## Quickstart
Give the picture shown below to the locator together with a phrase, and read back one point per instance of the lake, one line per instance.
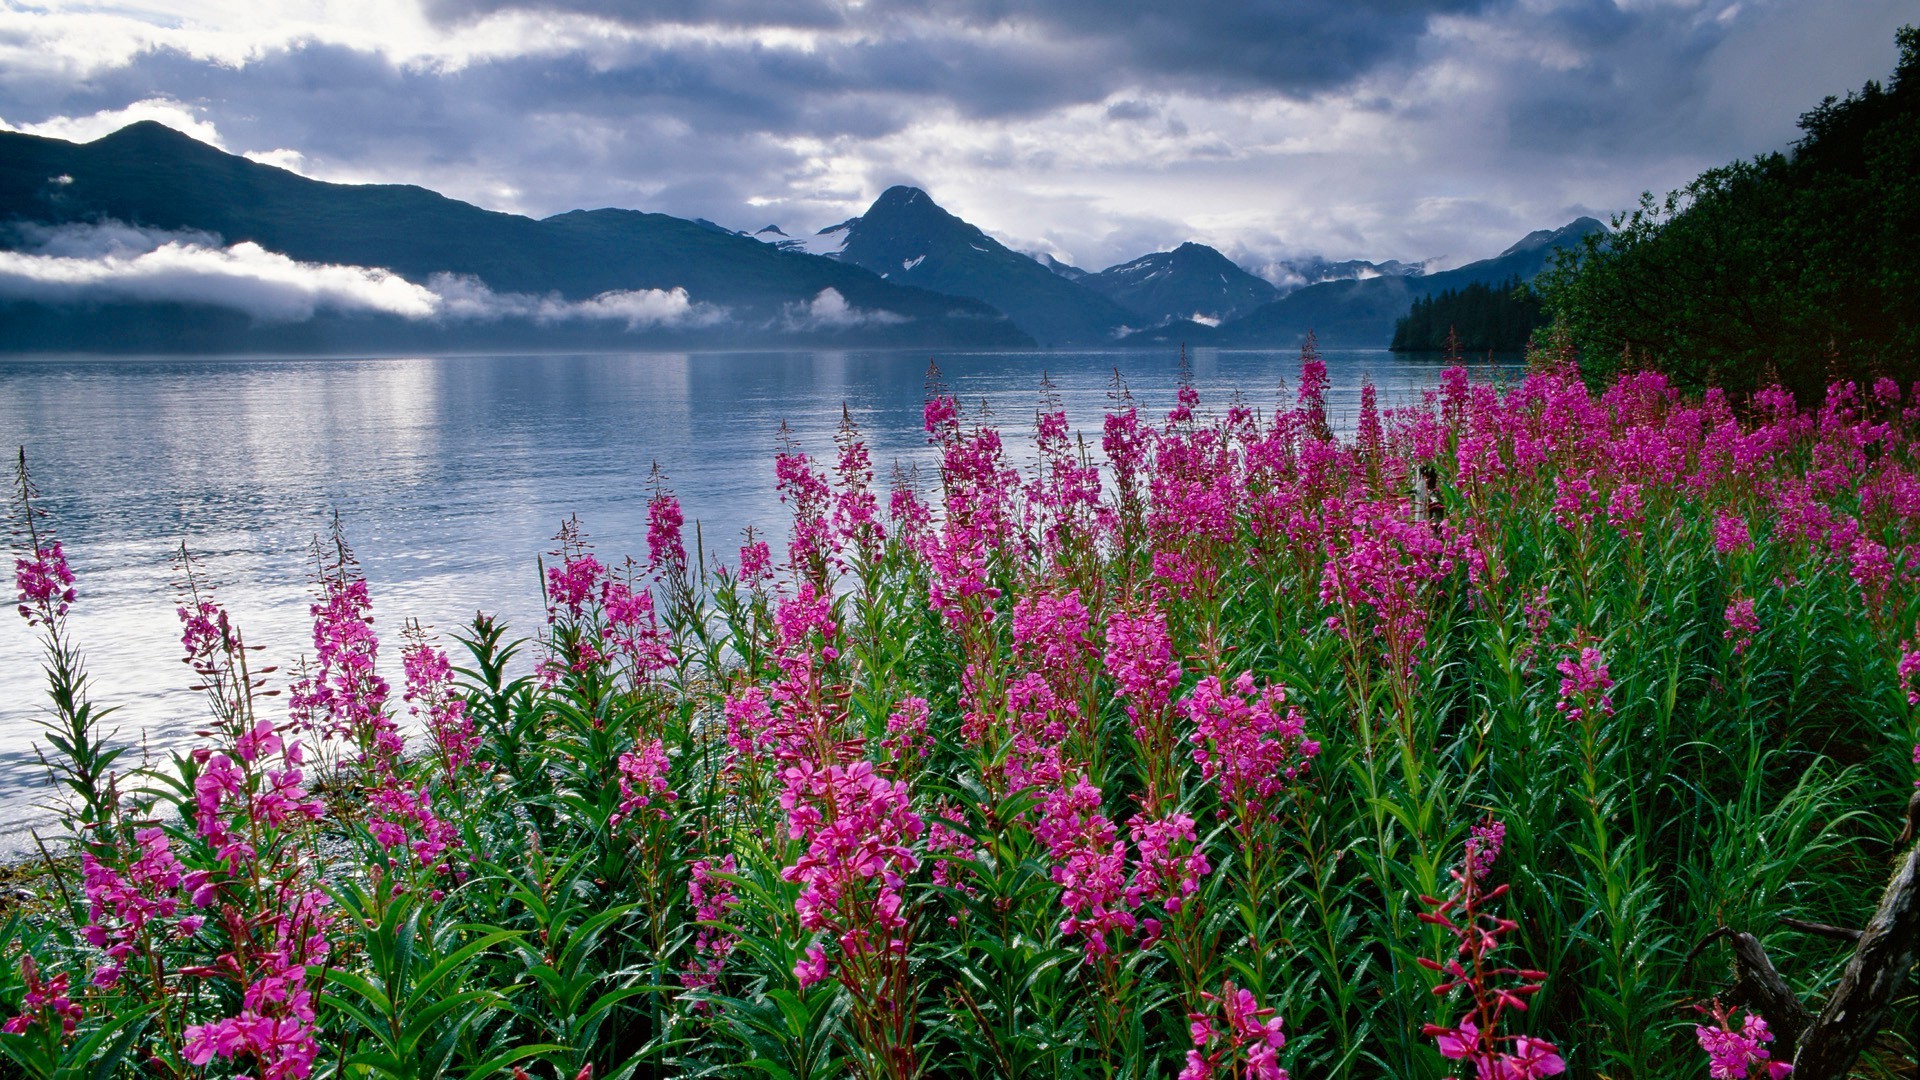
(451, 474)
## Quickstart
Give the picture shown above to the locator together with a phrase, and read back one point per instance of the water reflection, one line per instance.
(452, 473)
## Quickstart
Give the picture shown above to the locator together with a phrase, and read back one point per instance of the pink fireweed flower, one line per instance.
(1170, 863)
(1738, 1054)
(574, 584)
(1370, 439)
(809, 498)
(1492, 988)
(635, 633)
(944, 844)
(756, 562)
(1625, 510)
(858, 831)
(1139, 659)
(856, 512)
(275, 1024)
(643, 783)
(749, 723)
(430, 690)
(1242, 1041)
(123, 906)
(812, 967)
(912, 521)
(666, 552)
(44, 584)
(809, 713)
(399, 814)
(1248, 741)
(47, 1002)
(713, 900)
(1742, 624)
(906, 744)
(1583, 689)
(1089, 864)
(344, 696)
(1730, 533)
(1484, 842)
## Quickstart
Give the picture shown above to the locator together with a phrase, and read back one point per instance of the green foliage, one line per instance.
(567, 928)
(1476, 318)
(1799, 266)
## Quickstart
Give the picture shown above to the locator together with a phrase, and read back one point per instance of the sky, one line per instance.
(1092, 130)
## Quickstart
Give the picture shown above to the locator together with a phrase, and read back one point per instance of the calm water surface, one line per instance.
(451, 474)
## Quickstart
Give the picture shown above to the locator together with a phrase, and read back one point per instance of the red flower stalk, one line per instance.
(1493, 989)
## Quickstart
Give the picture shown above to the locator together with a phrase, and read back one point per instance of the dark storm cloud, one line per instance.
(1293, 46)
(1104, 128)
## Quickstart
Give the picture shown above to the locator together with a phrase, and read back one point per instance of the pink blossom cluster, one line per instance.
(1063, 500)
(1738, 1053)
(1139, 660)
(809, 499)
(1249, 741)
(429, 688)
(634, 631)
(123, 905)
(1484, 842)
(1742, 623)
(1089, 864)
(906, 743)
(808, 711)
(858, 830)
(574, 585)
(1243, 1041)
(49, 1001)
(44, 583)
(713, 900)
(401, 814)
(1584, 685)
(1170, 863)
(666, 551)
(643, 782)
(1730, 533)
(274, 965)
(856, 520)
(1909, 666)
(345, 696)
(260, 782)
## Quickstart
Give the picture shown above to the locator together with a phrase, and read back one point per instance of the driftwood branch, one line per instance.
(1762, 990)
(1821, 929)
(1888, 948)
(1825, 1047)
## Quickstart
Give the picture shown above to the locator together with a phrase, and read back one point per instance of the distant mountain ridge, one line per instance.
(151, 176)
(1193, 281)
(1362, 312)
(905, 272)
(908, 238)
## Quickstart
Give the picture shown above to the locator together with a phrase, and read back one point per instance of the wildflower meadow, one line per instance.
(1535, 729)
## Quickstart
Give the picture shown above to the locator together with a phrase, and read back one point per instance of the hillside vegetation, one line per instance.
(1796, 265)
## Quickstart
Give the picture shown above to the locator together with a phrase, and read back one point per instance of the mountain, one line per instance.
(1065, 270)
(1193, 281)
(906, 237)
(154, 178)
(1362, 312)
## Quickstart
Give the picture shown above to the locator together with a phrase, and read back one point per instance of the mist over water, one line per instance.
(451, 475)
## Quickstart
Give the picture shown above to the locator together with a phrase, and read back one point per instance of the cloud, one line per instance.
(463, 297)
(1095, 129)
(114, 262)
(830, 311)
(178, 116)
